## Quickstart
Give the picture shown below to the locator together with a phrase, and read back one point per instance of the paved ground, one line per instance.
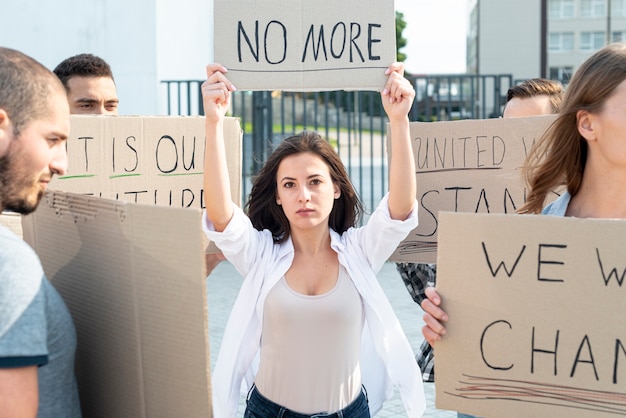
(224, 283)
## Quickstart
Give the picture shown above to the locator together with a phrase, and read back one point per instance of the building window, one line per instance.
(618, 36)
(561, 42)
(591, 41)
(618, 8)
(563, 74)
(593, 8)
(560, 9)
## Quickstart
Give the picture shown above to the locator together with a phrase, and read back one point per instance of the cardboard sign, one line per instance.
(467, 166)
(305, 44)
(133, 279)
(155, 160)
(535, 306)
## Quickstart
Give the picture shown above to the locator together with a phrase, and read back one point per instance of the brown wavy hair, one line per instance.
(559, 157)
(536, 87)
(262, 208)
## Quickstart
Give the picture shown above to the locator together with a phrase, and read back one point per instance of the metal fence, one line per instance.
(354, 122)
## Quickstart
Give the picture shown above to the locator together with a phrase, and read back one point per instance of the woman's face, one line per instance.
(608, 138)
(305, 190)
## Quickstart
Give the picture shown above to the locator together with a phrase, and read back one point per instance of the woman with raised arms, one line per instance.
(311, 332)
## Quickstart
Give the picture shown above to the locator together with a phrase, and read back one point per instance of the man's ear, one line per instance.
(4, 119)
(585, 124)
(6, 131)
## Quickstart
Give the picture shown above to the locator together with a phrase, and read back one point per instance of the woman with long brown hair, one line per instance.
(311, 332)
(584, 150)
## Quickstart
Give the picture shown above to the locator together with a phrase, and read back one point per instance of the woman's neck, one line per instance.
(311, 241)
(602, 194)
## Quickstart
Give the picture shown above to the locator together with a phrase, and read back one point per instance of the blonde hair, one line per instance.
(559, 157)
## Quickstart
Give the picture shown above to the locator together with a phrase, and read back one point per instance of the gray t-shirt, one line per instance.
(36, 328)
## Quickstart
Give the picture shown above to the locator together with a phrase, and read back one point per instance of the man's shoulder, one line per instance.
(13, 248)
(21, 273)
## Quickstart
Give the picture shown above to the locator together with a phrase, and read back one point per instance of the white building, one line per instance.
(144, 41)
(577, 28)
(507, 36)
(504, 37)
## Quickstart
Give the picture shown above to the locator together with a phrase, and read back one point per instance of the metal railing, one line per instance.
(354, 122)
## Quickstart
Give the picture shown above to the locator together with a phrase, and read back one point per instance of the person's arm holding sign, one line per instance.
(397, 99)
(216, 99)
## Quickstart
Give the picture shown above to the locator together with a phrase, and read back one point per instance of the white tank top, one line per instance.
(311, 346)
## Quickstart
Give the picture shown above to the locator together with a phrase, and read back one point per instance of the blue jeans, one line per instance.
(462, 415)
(258, 406)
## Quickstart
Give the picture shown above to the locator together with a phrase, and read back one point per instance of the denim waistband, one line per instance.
(279, 411)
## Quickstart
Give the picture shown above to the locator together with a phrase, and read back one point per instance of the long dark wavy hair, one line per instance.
(262, 208)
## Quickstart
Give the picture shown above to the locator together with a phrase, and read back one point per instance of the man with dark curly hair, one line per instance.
(89, 84)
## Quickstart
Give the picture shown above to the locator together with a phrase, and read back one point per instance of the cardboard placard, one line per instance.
(133, 279)
(467, 166)
(145, 159)
(535, 324)
(305, 44)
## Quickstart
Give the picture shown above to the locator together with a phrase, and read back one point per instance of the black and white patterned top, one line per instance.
(417, 277)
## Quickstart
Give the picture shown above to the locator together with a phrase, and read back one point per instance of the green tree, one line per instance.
(400, 40)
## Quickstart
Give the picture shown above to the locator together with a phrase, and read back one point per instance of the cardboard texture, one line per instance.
(535, 305)
(467, 166)
(144, 159)
(305, 45)
(133, 278)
